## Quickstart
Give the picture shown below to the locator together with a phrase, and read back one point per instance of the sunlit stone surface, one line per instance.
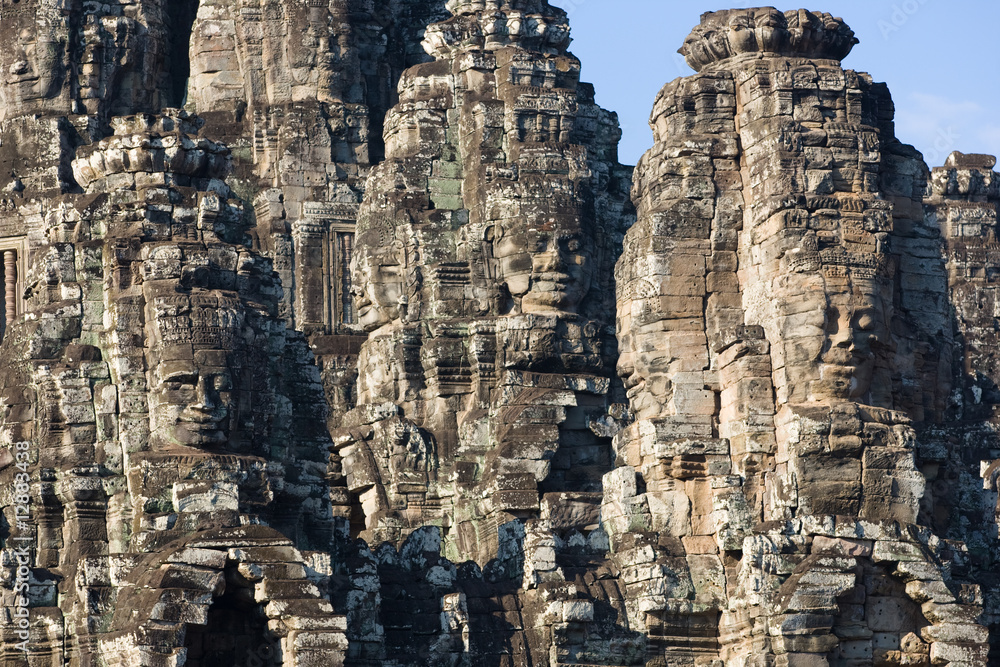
(368, 357)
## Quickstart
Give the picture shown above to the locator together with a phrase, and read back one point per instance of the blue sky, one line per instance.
(939, 58)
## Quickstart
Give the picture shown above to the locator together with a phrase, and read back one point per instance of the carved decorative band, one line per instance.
(796, 33)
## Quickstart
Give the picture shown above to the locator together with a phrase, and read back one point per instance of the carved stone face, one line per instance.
(20, 68)
(856, 325)
(831, 342)
(192, 405)
(644, 366)
(195, 361)
(379, 274)
(377, 384)
(645, 329)
(548, 268)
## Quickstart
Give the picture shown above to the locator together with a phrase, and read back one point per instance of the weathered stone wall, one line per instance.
(172, 425)
(368, 358)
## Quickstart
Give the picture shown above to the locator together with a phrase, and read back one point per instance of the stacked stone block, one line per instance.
(787, 470)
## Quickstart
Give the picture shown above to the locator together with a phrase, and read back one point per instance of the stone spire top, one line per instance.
(488, 25)
(765, 30)
(459, 7)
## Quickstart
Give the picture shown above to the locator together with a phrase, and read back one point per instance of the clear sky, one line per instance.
(939, 58)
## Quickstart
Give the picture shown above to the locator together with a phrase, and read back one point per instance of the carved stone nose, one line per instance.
(551, 260)
(844, 338)
(625, 366)
(204, 396)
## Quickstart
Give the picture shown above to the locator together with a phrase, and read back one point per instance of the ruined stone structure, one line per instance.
(785, 340)
(334, 333)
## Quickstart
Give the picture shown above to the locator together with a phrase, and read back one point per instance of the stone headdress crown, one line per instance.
(796, 33)
(206, 321)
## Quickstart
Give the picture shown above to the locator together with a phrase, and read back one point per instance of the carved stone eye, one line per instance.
(178, 380)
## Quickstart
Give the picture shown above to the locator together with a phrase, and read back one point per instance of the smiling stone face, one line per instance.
(660, 324)
(856, 327)
(833, 324)
(194, 369)
(192, 405)
(644, 366)
(548, 268)
(380, 290)
(381, 272)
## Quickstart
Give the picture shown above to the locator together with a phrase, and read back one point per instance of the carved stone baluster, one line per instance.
(10, 283)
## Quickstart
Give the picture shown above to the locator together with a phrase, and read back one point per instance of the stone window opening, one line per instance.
(323, 249)
(12, 266)
(343, 250)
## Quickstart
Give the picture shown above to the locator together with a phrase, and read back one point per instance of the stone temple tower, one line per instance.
(746, 417)
(784, 343)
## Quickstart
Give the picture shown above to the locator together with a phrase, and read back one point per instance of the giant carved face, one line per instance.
(832, 328)
(644, 367)
(645, 328)
(856, 327)
(547, 267)
(192, 403)
(194, 370)
(379, 272)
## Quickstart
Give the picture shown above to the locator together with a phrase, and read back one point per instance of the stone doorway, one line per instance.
(235, 635)
(183, 14)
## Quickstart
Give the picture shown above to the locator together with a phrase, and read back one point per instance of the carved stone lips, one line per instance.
(560, 280)
(206, 422)
(198, 418)
(203, 432)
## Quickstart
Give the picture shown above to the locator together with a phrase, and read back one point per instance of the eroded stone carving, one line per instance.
(153, 327)
(788, 466)
(484, 251)
(736, 32)
(475, 267)
(771, 294)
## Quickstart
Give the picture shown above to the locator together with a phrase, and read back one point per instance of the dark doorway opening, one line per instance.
(235, 636)
(182, 14)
